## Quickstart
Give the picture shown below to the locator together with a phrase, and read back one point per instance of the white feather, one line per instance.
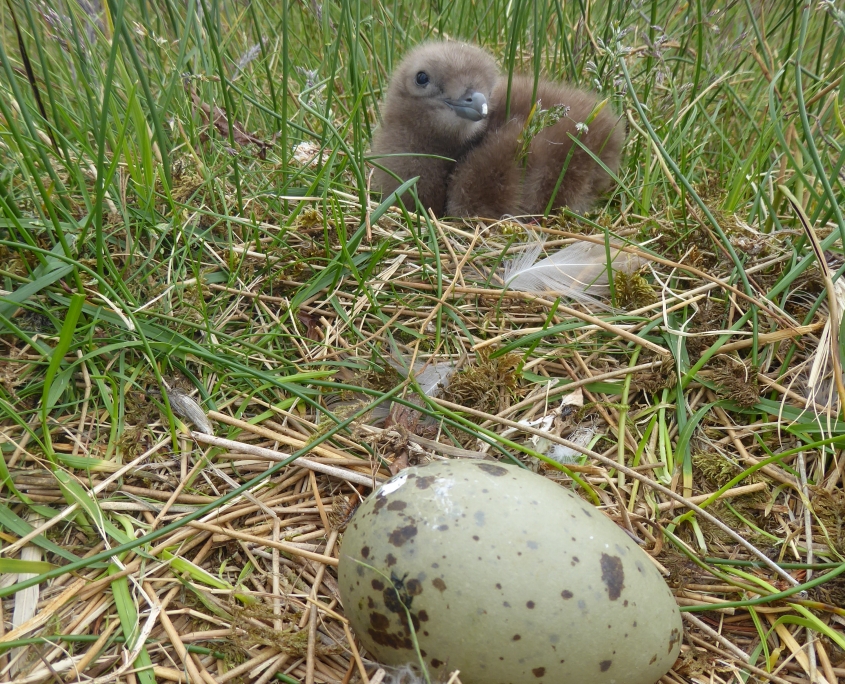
(578, 271)
(409, 674)
(821, 383)
(26, 600)
(404, 674)
(430, 376)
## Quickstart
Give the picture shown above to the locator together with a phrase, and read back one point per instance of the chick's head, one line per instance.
(445, 87)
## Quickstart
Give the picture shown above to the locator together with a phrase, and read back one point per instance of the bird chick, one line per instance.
(450, 100)
(436, 104)
(492, 180)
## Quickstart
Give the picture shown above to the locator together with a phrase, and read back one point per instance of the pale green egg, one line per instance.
(507, 577)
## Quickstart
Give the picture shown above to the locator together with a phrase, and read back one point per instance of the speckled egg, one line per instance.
(507, 577)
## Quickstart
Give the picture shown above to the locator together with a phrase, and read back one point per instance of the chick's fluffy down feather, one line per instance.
(486, 177)
(584, 180)
(417, 121)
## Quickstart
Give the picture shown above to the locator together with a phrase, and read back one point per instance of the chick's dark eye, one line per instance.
(422, 78)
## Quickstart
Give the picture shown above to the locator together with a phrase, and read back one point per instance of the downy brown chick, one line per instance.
(490, 177)
(492, 180)
(436, 104)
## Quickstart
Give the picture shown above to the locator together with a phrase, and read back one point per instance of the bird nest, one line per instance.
(206, 547)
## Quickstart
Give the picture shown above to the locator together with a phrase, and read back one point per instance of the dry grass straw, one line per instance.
(253, 585)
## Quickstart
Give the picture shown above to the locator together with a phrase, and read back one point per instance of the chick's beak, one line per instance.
(472, 105)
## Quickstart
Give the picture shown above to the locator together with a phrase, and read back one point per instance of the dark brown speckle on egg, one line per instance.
(379, 621)
(402, 534)
(494, 470)
(674, 638)
(613, 575)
